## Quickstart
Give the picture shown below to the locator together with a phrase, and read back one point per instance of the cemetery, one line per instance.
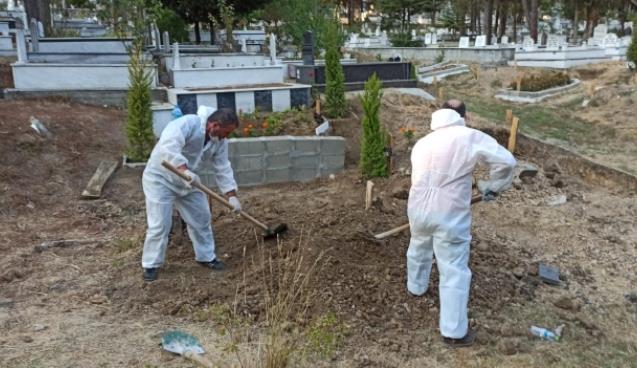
(330, 112)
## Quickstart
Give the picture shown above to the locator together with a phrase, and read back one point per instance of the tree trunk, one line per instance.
(575, 21)
(531, 12)
(211, 25)
(496, 23)
(488, 20)
(350, 13)
(473, 18)
(40, 10)
(502, 27)
(198, 33)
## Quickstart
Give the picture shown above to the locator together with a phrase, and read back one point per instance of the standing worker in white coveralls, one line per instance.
(439, 211)
(185, 143)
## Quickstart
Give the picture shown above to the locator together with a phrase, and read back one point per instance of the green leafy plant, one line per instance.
(139, 121)
(373, 162)
(408, 133)
(325, 335)
(336, 106)
(404, 39)
(272, 125)
(169, 21)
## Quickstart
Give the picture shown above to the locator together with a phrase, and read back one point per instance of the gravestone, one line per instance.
(33, 29)
(176, 60)
(21, 46)
(464, 42)
(413, 34)
(504, 40)
(377, 33)
(428, 39)
(481, 41)
(273, 49)
(384, 40)
(434, 39)
(528, 44)
(307, 51)
(244, 46)
(166, 41)
(611, 40)
(553, 42)
(599, 33)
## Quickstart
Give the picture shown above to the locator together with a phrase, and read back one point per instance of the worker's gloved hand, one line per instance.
(236, 205)
(484, 187)
(194, 178)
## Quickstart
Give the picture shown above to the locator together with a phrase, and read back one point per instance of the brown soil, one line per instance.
(86, 305)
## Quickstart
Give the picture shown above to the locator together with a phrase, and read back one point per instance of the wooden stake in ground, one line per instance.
(369, 194)
(441, 94)
(509, 116)
(591, 90)
(94, 187)
(519, 82)
(318, 106)
(514, 134)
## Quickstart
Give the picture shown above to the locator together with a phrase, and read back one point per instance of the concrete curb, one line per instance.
(532, 97)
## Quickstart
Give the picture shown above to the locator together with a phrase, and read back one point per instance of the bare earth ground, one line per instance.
(86, 305)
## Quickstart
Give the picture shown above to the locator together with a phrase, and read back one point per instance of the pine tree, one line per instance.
(139, 122)
(334, 77)
(372, 162)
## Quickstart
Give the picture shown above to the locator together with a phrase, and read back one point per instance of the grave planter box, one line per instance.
(440, 71)
(395, 74)
(532, 97)
(54, 77)
(84, 45)
(220, 77)
(560, 58)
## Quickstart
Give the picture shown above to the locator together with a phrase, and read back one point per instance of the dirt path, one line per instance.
(86, 305)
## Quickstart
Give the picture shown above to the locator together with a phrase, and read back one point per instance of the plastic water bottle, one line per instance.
(544, 333)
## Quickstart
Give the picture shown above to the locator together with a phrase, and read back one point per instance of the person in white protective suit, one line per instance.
(185, 143)
(440, 214)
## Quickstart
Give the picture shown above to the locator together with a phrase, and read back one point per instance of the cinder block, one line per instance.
(332, 162)
(278, 161)
(304, 174)
(333, 145)
(279, 144)
(245, 146)
(247, 162)
(307, 144)
(248, 178)
(277, 175)
(306, 162)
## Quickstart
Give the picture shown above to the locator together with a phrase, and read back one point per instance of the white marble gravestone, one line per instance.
(504, 40)
(464, 42)
(481, 41)
(528, 44)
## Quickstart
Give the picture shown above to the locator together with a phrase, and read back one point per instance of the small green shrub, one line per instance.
(139, 121)
(373, 162)
(336, 107)
(404, 39)
(542, 81)
(325, 335)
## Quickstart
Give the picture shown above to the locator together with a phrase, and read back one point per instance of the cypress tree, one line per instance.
(139, 122)
(334, 77)
(372, 161)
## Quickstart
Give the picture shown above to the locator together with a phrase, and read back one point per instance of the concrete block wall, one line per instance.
(280, 159)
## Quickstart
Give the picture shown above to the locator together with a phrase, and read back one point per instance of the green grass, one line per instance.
(542, 121)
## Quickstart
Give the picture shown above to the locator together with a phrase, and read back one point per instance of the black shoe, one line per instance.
(150, 274)
(415, 295)
(215, 265)
(467, 340)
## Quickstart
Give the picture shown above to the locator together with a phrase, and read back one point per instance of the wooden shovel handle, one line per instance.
(213, 195)
(474, 199)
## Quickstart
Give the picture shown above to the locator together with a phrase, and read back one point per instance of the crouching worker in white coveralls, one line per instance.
(185, 143)
(440, 213)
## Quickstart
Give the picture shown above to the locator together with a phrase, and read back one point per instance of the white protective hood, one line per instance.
(446, 117)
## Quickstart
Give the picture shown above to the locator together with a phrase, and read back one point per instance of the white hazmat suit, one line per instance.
(182, 142)
(439, 210)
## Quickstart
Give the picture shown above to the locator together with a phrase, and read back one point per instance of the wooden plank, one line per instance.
(519, 82)
(514, 134)
(441, 94)
(509, 116)
(94, 187)
(369, 194)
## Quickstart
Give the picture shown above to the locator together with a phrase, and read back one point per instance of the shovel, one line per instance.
(475, 199)
(268, 233)
(186, 345)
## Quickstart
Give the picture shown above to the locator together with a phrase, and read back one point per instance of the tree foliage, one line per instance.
(334, 77)
(373, 162)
